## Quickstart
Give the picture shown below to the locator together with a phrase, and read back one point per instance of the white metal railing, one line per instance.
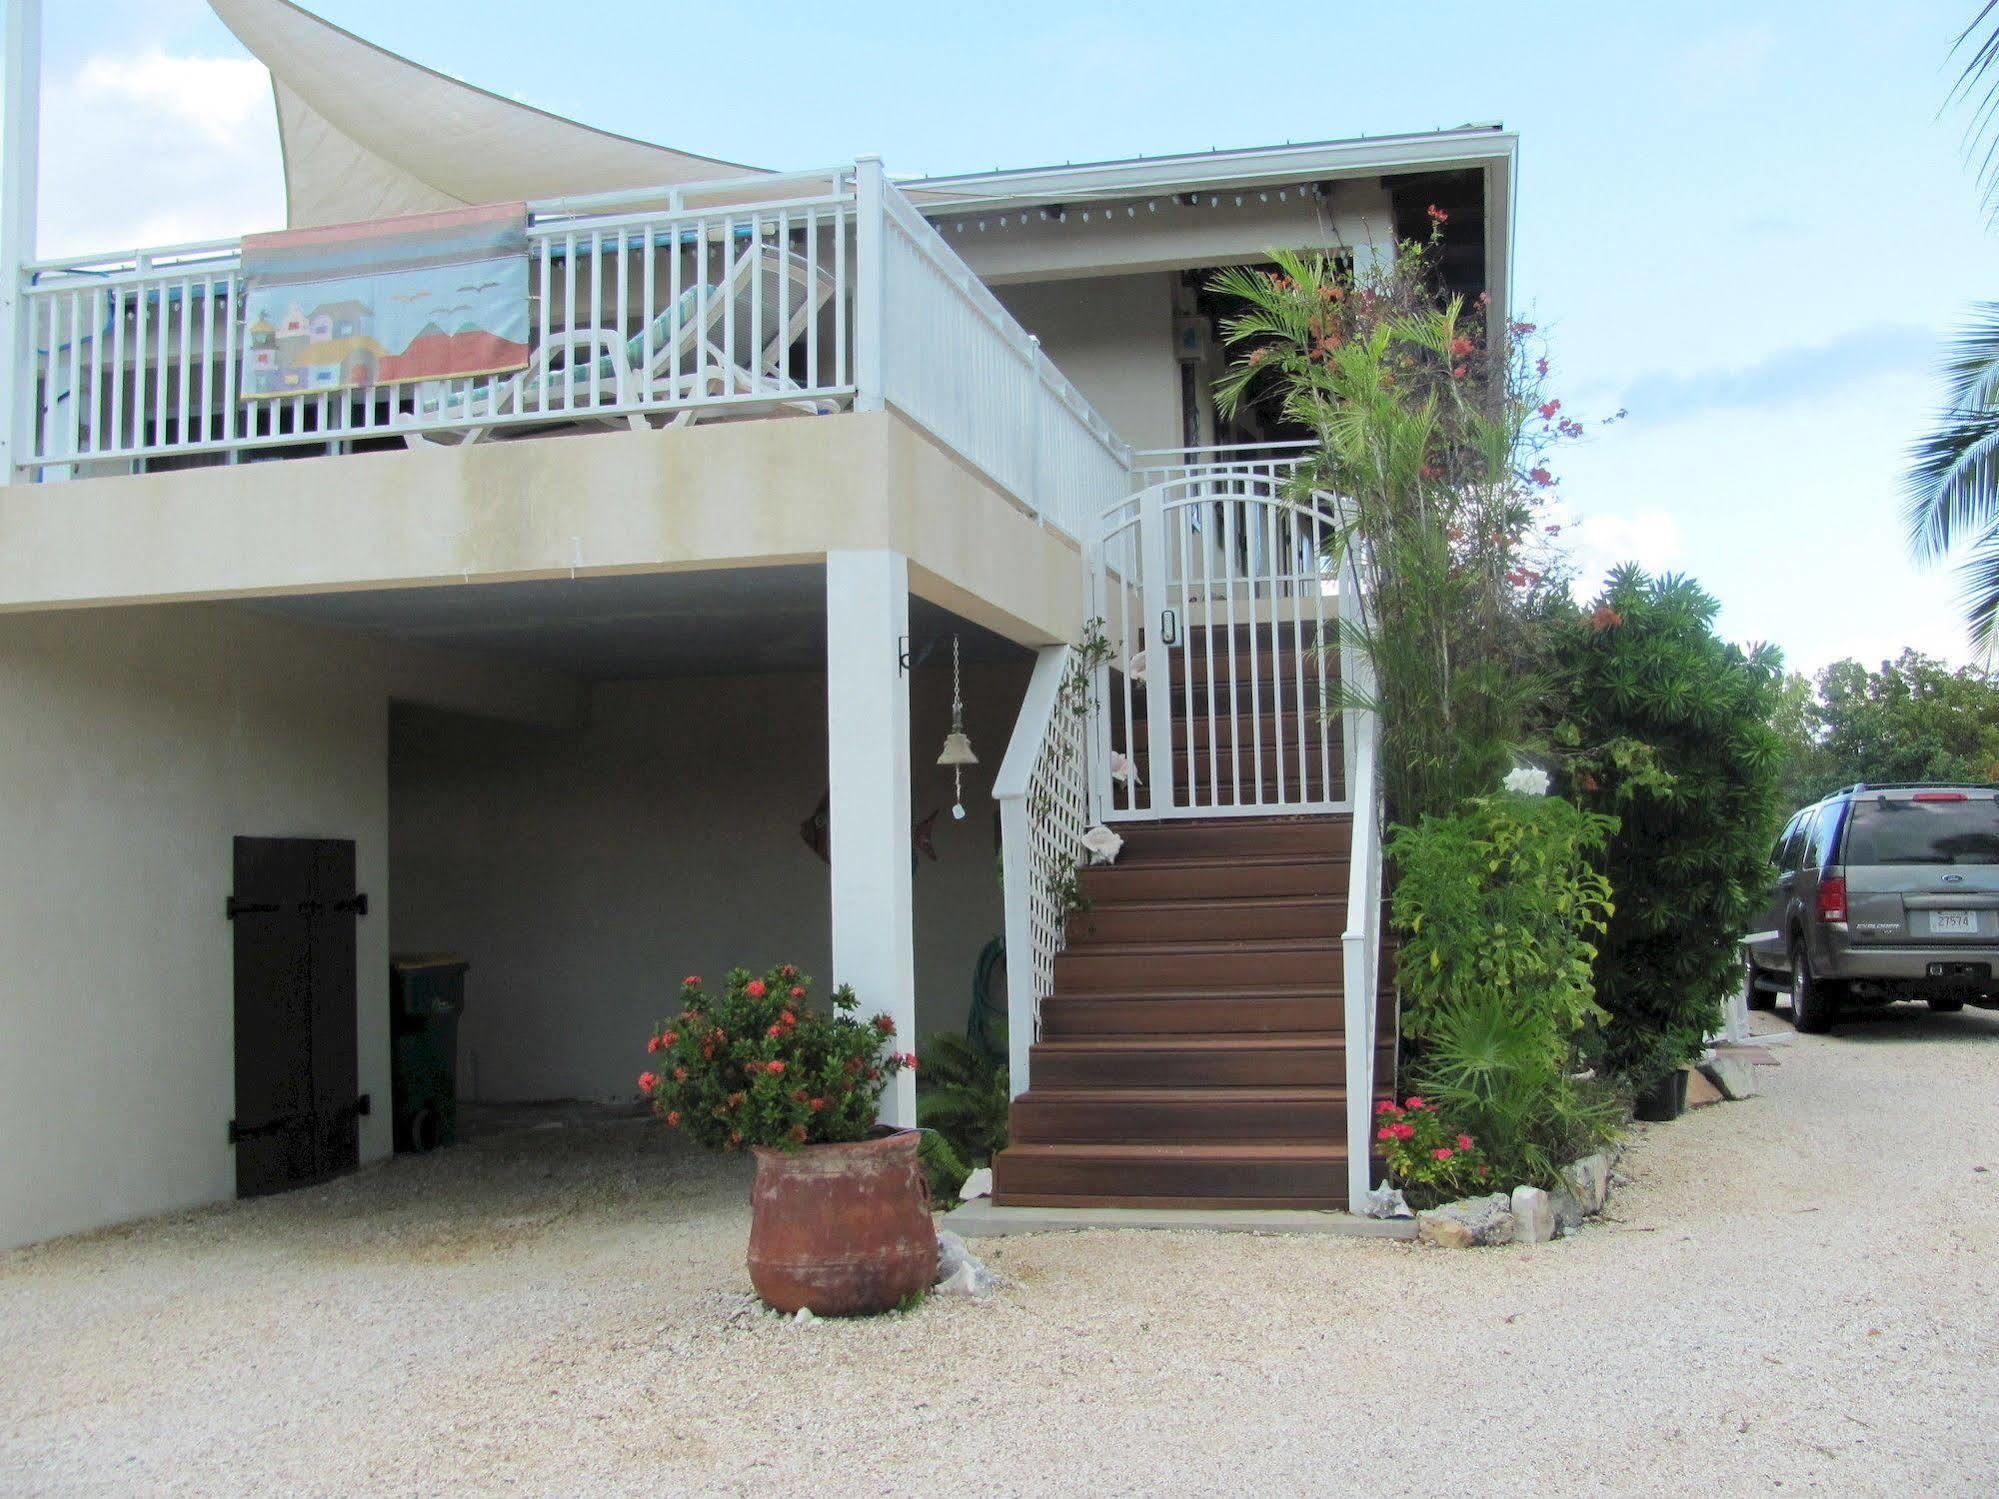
(1360, 943)
(1043, 791)
(1212, 583)
(764, 295)
(957, 362)
(1267, 460)
(632, 311)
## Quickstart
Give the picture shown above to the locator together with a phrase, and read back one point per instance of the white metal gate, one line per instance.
(1222, 614)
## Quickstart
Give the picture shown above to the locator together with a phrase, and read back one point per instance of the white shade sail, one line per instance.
(367, 134)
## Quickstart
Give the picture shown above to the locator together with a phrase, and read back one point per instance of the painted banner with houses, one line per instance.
(431, 296)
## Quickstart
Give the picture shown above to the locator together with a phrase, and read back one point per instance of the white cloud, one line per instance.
(146, 148)
(1604, 540)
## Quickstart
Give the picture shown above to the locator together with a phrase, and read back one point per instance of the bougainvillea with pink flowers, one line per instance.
(762, 1064)
(1430, 1160)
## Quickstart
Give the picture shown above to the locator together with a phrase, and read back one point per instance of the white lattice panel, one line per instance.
(1058, 813)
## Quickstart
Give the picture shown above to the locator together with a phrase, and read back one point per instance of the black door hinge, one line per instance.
(237, 906)
(362, 1105)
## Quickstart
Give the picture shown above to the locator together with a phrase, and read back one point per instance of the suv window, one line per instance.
(1819, 834)
(1783, 840)
(1926, 832)
(1794, 839)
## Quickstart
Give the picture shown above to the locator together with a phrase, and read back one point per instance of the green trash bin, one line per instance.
(426, 997)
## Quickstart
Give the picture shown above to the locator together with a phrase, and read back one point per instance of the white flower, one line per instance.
(1103, 844)
(1529, 780)
(1135, 668)
(1124, 769)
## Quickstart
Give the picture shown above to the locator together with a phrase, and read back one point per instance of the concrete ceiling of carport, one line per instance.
(724, 622)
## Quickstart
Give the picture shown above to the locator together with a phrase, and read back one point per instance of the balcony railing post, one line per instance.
(870, 272)
(20, 156)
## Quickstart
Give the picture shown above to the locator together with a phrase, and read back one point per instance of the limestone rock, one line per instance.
(978, 1184)
(1589, 1179)
(1701, 1090)
(1533, 1216)
(1568, 1210)
(1461, 1225)
(1735, 1076)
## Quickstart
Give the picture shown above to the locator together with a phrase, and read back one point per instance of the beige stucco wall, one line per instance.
(1113, 336)
(134, 745)
(584, 872)
(714, 495)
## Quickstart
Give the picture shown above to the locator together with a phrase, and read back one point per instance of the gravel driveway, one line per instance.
(1793, 1292)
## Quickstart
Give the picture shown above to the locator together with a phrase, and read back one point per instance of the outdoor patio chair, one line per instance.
(582, 369)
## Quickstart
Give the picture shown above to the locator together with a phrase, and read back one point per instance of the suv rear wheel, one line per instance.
(1813, 1009)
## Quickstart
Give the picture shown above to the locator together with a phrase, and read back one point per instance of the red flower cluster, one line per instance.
(1428, 1161)
(1437, 215)
(760, 1065)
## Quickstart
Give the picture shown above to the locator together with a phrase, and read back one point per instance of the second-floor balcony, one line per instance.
(767, 298)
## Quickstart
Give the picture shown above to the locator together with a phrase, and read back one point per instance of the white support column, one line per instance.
(867, 740)
(20, 168)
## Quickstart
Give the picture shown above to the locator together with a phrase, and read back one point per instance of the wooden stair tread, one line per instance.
(1221, 899)
(1204, 1041)
(1192, 1150)
(1197, 1096)
(1248, 993)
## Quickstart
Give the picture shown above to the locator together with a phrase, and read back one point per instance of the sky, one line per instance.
(1747, 226)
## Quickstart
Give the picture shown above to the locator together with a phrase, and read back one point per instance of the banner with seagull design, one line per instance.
(431, 296)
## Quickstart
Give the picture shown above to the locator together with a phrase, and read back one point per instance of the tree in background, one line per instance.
(1667, 727)
(1915, 719)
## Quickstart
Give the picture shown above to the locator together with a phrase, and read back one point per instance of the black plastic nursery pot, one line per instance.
(1663, 1100)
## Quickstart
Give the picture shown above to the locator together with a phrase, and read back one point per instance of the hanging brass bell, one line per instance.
(957, 750)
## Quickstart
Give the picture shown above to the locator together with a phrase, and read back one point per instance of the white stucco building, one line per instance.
(565, 661)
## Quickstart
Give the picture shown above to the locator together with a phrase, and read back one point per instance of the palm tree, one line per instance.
(1952, 488)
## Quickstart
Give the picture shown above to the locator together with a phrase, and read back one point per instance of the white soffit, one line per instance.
(367, 134)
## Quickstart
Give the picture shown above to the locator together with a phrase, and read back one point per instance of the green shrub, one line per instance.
(1497, 909)
(1500, 901)
(963, 1104)
(1669, 728)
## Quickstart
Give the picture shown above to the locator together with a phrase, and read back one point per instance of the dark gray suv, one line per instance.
(1881, 893)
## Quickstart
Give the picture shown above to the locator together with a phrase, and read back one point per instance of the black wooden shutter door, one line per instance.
(294, 909)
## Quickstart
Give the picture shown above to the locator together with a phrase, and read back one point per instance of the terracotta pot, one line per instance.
(843, 1229)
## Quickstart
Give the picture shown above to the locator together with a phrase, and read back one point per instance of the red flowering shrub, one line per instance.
(758, 1065)
(1428, 1160)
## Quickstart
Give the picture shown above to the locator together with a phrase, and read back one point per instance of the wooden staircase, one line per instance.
(1192, 1052)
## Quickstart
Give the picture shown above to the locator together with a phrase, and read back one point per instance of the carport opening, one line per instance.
(583, 868)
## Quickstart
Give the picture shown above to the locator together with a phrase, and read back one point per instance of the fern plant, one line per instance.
(963, 1101)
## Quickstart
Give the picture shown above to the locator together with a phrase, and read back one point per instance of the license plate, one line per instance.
(1953, 923)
